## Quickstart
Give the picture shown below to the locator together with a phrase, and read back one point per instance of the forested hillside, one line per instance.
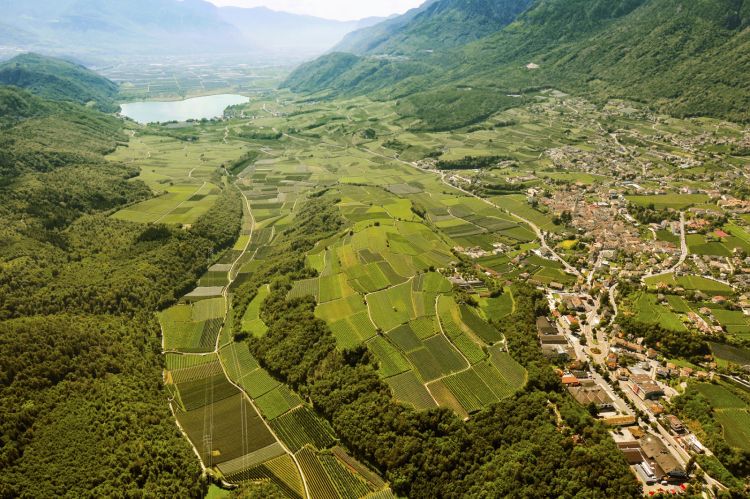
(436, 25)
(80, 365)
(59, 80)
(683, 57)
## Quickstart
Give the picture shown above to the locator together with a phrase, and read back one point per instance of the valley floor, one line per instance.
(426, 259)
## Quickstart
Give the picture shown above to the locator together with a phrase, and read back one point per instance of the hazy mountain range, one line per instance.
(97, 29)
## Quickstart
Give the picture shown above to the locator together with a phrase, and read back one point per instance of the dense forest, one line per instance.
(60, 80)
(515, 448)
(80, 367)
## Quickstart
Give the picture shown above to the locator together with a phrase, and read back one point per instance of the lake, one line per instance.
(208, 107)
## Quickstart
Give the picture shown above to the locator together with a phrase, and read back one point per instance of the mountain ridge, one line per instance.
(283, 30)
(437, 24)
(102, 29)
(636, 49)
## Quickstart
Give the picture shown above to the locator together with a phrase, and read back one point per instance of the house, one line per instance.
(612, 361)
(559, 352)
(675, 424)
(570, 380)
(657, 408)
(692, 443)
(625, 420)
(592, 394)
(628, 345)
(544, 327)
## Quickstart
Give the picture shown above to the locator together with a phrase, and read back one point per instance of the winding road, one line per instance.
(684, 252)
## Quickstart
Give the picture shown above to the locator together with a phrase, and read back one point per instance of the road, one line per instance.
(684, 252)
(232, 276)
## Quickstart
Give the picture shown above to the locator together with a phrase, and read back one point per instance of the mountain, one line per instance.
(107, 28)
(282, 31)
(369, 38)
(59, 80)
(102, 29)
(683, 57)
(437, 24)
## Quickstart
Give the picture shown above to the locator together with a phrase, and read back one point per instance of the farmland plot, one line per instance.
(407, 388)
(225, 441)
(302, 427)
(320, 485)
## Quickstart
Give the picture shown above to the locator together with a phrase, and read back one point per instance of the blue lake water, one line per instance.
(212, 106)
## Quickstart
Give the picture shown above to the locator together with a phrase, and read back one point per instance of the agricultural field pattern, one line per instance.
(381, 282)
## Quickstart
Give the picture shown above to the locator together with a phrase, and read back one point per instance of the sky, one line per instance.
(343, 10)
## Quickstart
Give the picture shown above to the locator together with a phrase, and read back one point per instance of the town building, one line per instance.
(662, 462)
(643, 386)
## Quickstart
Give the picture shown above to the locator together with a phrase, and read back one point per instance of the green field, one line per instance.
(728, 353)
(194, 327)
(408, 389)
(720, 397)
(673, 201)
(251, 321)
(698, 283)
(648, 311)
(736, 425)
(180, 171)
(302, 427)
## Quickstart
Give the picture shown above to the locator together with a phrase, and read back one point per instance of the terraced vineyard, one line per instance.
(244, 424)
(380, 283)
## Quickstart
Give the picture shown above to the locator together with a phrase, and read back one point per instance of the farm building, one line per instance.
(559, 352)
(675, 424)
(628, 345)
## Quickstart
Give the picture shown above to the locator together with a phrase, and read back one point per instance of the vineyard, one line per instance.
(319, 483)
(281, 471)
(736, 425)
(277, 402)
(236, 429)
(390, 360)
(407, 388)
(302, 427)
(251, 321)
